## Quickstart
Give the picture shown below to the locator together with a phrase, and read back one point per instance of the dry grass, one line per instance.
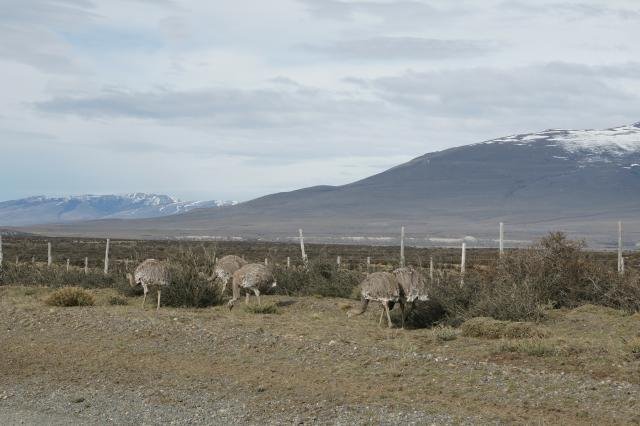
(265, 308)
(490, 328)
(313, 352)
(71, 296)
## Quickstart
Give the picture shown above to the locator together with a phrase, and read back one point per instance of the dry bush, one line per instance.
(70, 296)
(56, 276)
(188, 288)
(321, 277)
(523, 284)
(633, 346)
(490, 328)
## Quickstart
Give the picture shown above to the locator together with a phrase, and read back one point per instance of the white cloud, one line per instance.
(218, 99)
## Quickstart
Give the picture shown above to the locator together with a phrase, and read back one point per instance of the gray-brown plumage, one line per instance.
(225, 268)
(254, 277)
(412, 284)
(151, 273)
(384, 288)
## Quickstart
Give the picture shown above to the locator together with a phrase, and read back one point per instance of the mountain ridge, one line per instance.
(580, 181)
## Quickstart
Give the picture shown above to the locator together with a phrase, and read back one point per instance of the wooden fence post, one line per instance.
(17, 260)
(368, 264)
(304, 255)
(49, 259)
(463, 262)
(33, 260)
(0, 250)
(431, 268)
(620, 258)
(402, 247)
(67, 265)
(501, 239)
(106, 258)
(288, 262)
(86, 265)
(266, 261)
(338, 261)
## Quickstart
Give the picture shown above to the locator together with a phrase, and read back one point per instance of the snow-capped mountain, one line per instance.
(579, 181)
(41, 209)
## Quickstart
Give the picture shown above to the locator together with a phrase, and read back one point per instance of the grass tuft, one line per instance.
(533, 347)
(70, 296)
(444, 334)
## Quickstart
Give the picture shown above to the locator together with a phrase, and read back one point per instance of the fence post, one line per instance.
(368, 264)
(86, 265)
(33, 260)
(402, 247)
(304, 255)
(431, 268)
(266, 261)
(338, 261)
(49, 260)
(67, 265)
(463, 262)
(0, 250)
(17, 260)
(501, 239)
(288, 262)
(106, 258)
(620, 259)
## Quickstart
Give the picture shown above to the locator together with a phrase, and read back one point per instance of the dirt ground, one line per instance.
(307, 364)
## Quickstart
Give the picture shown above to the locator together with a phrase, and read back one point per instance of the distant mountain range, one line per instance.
(579, 181)
(42, 210)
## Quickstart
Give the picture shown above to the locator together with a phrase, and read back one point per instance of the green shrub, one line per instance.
(70, 296)
(490, 328)
(321, 277)
(268, 308)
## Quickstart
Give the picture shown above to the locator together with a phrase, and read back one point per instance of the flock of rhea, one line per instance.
(404, 285)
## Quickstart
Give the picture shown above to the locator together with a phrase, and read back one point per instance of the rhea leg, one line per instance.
(257, 293)
(144, 298)
(381, 314)
(386, 309)
(402, 312)
(246, 300)
(158, 307)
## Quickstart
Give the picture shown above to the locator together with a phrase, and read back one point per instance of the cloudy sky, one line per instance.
(234, 99)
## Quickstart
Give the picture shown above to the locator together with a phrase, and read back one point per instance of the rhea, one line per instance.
(151, 273)
(225, 268)
(254, 277)
(384, 288)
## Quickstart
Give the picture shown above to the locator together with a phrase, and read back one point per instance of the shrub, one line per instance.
(118, 300)
(187, 287)
(444, 334)
(320, 277)
(490, 328)
(633, 346)
(268, 308)
(70, 296)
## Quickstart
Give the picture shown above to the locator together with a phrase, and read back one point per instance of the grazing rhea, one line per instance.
(412, 284)
(383, 287)
(254, 277)
(150, 273)
(225, 268)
